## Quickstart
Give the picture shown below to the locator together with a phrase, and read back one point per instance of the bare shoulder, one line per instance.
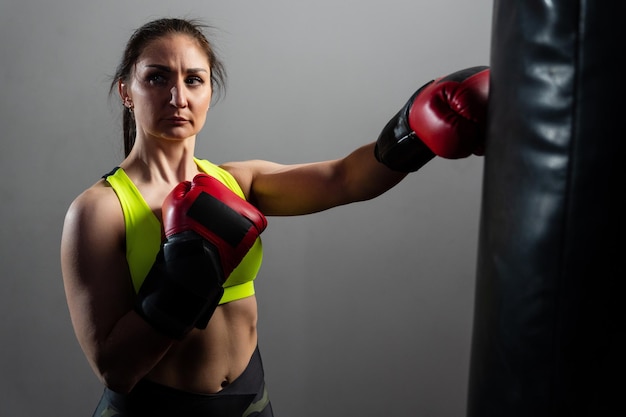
(94, 225)
(96, 204)
(245, 172)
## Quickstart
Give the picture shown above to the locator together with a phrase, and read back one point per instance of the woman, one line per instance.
(113, 233)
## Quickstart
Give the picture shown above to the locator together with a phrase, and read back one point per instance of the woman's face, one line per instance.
(170, 89)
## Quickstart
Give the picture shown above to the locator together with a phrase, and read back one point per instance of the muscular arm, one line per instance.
(445, 117)
(120, 346)
(307, 188)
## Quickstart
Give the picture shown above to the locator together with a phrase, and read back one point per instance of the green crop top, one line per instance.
(144, 232)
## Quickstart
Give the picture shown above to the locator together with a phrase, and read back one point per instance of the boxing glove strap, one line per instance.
(229, 225)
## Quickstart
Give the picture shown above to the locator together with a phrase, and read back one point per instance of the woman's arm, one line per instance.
(307, 188)
(120, 346)
(445, 117)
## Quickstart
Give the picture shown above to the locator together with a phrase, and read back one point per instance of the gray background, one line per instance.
(364, 309)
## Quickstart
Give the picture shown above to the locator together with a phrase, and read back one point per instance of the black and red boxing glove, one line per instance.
(446, 117)
(210, 209)
(208, 231)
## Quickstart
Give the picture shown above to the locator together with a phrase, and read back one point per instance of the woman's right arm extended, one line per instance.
(120, 346)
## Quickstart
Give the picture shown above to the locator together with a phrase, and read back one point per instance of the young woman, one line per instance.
(113, 239)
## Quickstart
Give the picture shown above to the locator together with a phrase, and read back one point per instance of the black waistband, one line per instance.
(152, 399)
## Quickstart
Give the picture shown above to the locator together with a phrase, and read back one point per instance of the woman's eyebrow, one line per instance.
(165, 68)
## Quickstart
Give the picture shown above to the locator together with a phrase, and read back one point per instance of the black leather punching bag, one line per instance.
(550, 309)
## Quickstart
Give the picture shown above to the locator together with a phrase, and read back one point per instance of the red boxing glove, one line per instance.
(210, 209)
(445, 117)
(208, 229)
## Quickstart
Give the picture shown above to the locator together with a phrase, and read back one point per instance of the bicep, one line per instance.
(95, 272)
(285, 190)
(307, 188)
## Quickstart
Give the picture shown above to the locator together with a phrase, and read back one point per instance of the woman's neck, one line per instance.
(167, 162)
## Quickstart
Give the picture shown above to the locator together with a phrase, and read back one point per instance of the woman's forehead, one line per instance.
(177, 48)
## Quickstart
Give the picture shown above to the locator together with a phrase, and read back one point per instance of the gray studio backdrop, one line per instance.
(365, 310)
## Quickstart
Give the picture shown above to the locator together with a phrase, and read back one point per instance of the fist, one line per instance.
(445, 117)
(210, 209)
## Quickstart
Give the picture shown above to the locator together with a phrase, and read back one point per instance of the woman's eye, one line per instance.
(195, 81)
(157, 79)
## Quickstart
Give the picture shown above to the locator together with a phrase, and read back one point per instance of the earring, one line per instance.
(129, 105)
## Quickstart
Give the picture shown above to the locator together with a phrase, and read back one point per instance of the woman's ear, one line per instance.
(122, 89)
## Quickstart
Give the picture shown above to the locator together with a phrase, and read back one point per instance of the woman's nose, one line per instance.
(178, 96)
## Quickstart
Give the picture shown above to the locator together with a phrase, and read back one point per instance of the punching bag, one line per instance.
(550, 309)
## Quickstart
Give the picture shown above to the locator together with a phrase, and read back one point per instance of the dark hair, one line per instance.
(140, 39)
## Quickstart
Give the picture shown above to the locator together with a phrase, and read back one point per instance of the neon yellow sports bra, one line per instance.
(143, 233)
